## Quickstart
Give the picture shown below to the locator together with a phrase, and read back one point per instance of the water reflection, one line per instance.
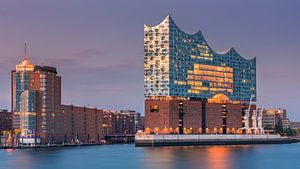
(10, 150)
(31, 158)
(217, 157)
(209, 157)
(128, 156)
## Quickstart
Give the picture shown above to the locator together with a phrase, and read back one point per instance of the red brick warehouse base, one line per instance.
(162, 116)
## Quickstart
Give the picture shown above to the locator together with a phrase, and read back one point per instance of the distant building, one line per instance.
(5, 120)
(269, 119)
(108, 123)
(117, 123)
(282, 119)
(295, 125)
(36, 101)
(136, 115)
(273, 117)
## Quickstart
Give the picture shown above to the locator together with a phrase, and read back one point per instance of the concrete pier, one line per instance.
(219, 139)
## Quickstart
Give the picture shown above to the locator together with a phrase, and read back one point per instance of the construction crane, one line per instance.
(247, 116)
(260, 119)
(254, 121)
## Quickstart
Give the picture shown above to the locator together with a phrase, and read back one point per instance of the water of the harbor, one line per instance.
(122, 156)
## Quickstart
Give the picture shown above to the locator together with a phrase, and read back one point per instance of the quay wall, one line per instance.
(219, 139)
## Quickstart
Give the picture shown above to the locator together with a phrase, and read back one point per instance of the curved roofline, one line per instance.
(158, 23)
(231, 50)
(222, 53)
(199, 32)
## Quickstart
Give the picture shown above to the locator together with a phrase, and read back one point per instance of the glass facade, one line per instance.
(28, 113)
(184, 65)
(21, 85)
(20, 82)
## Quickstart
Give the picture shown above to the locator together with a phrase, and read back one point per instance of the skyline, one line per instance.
(63, 43)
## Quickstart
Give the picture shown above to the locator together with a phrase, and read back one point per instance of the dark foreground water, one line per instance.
(127, 156)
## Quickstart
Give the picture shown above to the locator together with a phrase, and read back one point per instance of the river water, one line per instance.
(122, 156)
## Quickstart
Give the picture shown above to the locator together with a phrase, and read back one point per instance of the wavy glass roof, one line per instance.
(184, 65)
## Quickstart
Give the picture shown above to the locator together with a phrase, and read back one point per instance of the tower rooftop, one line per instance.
(25, 65)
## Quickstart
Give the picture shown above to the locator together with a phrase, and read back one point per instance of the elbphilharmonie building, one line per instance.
(184, 65)
(190, 88)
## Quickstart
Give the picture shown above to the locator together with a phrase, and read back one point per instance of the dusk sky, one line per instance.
(97, 46)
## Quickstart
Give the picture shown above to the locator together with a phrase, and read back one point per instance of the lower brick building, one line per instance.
(116, 123)
(5, 121)
(199, 116)
(136, 116)
(92, 125)
(82, 123)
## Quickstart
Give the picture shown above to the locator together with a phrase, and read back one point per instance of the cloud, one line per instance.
(87, 53)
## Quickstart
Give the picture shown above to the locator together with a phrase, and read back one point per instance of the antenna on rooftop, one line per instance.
(25, 51)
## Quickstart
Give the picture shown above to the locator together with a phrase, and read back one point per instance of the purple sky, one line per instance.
(98, 46)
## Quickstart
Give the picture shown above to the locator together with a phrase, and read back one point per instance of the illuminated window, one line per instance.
(154, 108)
(212, 78)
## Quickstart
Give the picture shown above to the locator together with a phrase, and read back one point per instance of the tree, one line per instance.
(278, 129)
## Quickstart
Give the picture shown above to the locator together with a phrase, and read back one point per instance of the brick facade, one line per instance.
(5, 121)
(92, 125)
(165, 119)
